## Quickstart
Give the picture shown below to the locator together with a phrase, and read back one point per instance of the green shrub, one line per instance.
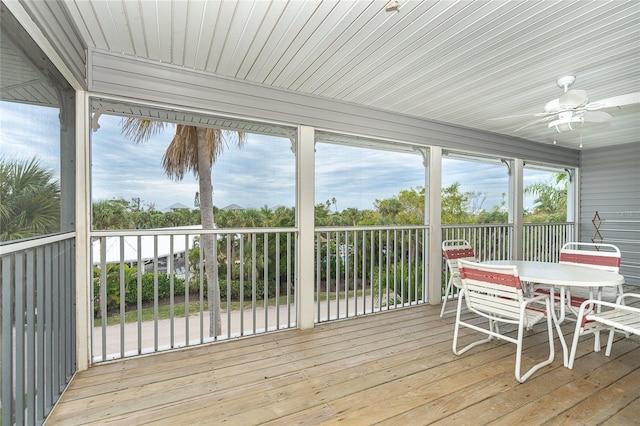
(112, 285)
(147, 293)
(247, 290)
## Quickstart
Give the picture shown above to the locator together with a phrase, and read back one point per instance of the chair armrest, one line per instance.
(618, 317)
(540, 299)
(625, 295)
(608, 305)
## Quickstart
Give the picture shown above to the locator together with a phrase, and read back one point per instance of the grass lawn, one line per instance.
(164, 309)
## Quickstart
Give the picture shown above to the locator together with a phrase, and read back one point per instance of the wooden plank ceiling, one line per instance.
(461, 62)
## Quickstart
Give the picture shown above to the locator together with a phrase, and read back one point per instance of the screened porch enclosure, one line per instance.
(334, 319)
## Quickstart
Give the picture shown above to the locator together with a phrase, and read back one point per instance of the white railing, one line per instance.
(489, 242)
(38, 326)
(365, 270)
(543, 241)
(358, 270)
(150, 291)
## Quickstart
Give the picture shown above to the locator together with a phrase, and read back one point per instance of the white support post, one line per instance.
(306, 224)
(83, 239)
(573, 202)
(433, 193)
(516, 198)
(67, 159)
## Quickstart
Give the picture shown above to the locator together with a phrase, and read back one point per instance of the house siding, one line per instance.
(611, 186)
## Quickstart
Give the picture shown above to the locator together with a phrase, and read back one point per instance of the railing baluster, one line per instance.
(278, 280)
(172, 311)
(346, 272)
(336, 269)
(41, 409)
(289, 277)
(30, 313)
(338, 256)
(156, 306)
(242, 285)
(122, 294)
(139, 291)
(187, 289)
(254, 278)
(230, 261)
(265, 283)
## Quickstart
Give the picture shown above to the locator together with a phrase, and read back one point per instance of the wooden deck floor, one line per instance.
(390, 368)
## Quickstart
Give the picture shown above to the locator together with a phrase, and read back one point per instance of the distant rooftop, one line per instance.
(233, 207)
(174, 207)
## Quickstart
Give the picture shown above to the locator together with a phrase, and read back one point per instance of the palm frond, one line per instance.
(140, 130)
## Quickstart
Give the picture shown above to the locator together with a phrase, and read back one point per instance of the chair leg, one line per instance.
(456, 327)
(574, 346)
(610, 341)
(565, 350)
(538, 366)
(447, 290)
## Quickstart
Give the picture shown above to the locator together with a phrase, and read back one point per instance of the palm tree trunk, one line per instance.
(208, 240)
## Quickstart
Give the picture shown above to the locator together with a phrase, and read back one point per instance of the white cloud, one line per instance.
(261, 173)
(39, 139)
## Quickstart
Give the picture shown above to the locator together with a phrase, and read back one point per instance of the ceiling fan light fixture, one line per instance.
(566, 124)
(394, 6)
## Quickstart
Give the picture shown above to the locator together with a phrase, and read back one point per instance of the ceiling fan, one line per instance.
(572, 108)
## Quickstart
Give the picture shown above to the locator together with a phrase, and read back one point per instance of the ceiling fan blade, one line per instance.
(553, 106)
(534, 122)
(628, 99)
(597, 116)
(535, 114)
(573, 99)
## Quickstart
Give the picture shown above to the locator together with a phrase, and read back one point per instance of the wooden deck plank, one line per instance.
(327, 375)
(630, 415)
(498, 405)
(611, 396)
(393, 367)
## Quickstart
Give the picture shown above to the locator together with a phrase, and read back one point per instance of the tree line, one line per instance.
(30, 206)
(406, 208)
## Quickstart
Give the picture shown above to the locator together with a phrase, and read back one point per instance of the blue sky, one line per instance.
(261, 173)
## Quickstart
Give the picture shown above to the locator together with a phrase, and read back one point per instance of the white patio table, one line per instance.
(561, 276)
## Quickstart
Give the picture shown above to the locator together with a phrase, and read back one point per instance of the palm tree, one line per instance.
(551, 195)
(29, 200)
(110, 214)
(193, 149)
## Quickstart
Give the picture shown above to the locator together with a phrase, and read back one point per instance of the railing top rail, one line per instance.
(477, 225)
(492, 225)
(13, 247)
(188, 231)
(547, 223)
(368, 228)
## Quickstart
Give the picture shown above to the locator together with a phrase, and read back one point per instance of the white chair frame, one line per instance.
(495, 293)
(593, 255)
(452, 250)
(591, 319)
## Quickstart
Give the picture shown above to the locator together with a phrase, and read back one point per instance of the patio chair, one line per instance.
(592, 255)
(495, 293)
(619, 317)
(452, 250)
